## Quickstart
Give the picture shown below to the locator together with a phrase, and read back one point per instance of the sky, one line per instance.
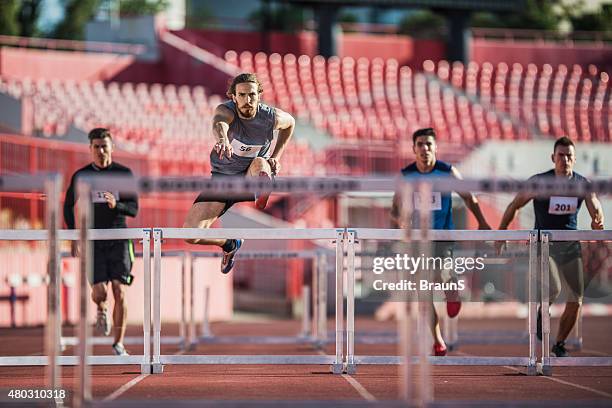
(50, 14)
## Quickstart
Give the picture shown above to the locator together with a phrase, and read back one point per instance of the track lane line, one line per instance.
(361, 390)
(365, 394)
(125, 387)
(557, 380)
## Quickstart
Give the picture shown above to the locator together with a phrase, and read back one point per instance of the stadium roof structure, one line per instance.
(457, 13)
(468, 5)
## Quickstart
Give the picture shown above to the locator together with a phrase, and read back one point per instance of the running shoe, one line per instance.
(261, 199)
(439, 350)
(228, 257)
(559, 349)
(453, 303)
(119, 349)
(103, 324)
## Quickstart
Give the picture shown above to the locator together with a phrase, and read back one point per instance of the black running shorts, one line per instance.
(223, 198)
(112, 260)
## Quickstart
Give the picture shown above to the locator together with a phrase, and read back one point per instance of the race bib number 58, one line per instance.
(562, 205)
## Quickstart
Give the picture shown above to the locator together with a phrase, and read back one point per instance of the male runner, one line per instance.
(112, 260)
(560, 213)
(243, 128)
(426, 165)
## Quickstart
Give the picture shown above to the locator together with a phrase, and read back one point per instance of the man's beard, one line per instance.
(247, 112)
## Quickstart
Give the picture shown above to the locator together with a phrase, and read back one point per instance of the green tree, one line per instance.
(284, 18)
(28, 17)
(423, 24)
(142, 7)
(77, 14)
(535, 15)
(8, 17)
(199, 16)
(600, 20)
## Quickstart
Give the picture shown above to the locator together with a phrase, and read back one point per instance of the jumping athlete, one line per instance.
(243, 128)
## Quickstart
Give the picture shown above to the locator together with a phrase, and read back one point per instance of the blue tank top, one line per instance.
(556, 212)
(442, 215)
(250, 138)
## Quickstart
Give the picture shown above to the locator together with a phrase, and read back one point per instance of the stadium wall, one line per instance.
(65, 65)
(540, 52)
(406, 50)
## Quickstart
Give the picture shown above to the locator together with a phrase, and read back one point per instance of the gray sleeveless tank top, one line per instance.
(250, 138)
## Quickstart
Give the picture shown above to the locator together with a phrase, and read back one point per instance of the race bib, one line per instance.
(98, 196)
(244, 150)
(435, 201)
(562, 205)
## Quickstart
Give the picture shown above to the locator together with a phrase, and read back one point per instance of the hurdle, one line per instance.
(181, 339)
(335, 362)
(51, 185)
(546, 237)
(312, 330)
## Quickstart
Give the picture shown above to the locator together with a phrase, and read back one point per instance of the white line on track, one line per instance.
(361, 390)
(582, 387)
(126, 387)
(121, 390)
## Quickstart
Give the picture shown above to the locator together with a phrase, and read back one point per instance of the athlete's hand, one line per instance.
(597, 224)
(110, 200)
(500, 246)
(274, 165)
(224, 147)
(75, 251)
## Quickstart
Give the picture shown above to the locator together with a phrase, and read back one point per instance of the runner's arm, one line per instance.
(471, 203)
(595, 211)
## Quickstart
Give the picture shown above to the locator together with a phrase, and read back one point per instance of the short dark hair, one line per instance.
(99, 133)
(423, 132)
(563, 141)
(241, 79)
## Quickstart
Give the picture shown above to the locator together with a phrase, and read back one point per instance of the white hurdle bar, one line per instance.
(459, 235)
(307, 334)
(181, 339)
(546, 237)
(337, 235)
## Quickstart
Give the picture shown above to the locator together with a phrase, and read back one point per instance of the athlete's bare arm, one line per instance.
(595, 211)
(285, 124)
(222, 119)
(395, 212)
(471, 203)
(517, 203)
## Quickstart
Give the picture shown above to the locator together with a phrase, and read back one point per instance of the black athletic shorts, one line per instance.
(112, 260)
(224, 198)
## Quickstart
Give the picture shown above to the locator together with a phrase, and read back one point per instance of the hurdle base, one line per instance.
(157, 368)
(545, 370)
(145, 369)
(532, 370)
(337, 368)
(350, 369)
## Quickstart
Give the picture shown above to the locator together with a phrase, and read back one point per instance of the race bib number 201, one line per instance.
(562, 205)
